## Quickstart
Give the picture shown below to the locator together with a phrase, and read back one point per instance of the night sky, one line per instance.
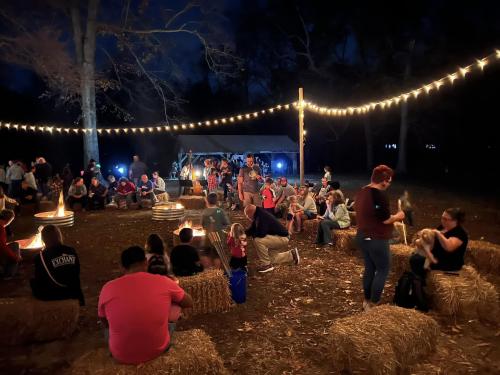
(357, 53)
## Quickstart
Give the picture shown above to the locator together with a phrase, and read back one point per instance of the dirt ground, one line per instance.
(282, 329)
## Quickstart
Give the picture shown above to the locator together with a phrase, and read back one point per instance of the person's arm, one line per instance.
(240, 184)
(77, 282)
(449, 244)
(381, 204)
(101, 311)
(186, 302)
(5, 249)
(105, 193)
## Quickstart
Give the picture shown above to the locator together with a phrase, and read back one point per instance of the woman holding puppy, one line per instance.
(449, 247)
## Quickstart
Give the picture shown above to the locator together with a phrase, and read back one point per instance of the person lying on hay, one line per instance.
(139, 310)
(449, 246)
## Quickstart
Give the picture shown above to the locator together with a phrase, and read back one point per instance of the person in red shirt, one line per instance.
(268, 196)
(212, 181)
(237, 243)
(124, 193)
(137, 308)
(9, 253)
(375, 226)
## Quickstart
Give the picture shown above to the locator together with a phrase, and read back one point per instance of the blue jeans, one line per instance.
(324, 235)
(377, 257)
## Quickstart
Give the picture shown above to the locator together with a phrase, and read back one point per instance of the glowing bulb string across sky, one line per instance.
(424, 89)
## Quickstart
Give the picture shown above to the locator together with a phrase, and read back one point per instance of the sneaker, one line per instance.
(295, 255)
(264, 269)
(330, 244)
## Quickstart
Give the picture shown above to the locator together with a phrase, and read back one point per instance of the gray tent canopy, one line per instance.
(225, 145)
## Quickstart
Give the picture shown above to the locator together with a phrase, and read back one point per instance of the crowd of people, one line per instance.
(276, 211)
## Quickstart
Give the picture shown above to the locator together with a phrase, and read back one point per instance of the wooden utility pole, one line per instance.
(301, 134)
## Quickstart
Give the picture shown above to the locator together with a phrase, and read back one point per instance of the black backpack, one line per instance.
(156, 265)
(410, 292)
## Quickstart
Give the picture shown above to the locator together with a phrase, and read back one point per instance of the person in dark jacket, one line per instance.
(269, 234)
(43, 173)
(57, 269)
(97, 195)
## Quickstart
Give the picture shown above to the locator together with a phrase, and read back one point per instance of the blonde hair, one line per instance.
(236, 230)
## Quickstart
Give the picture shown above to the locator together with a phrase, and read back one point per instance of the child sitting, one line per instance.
(295, 211)
(237, 243)
(184, 257)
(269, 196)
(158, 260)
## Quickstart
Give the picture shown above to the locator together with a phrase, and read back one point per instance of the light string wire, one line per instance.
(306, 105)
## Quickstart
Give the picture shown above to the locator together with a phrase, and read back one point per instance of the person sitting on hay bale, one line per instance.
(158, 260)
(77, 193)
(112, 186)
(321, 196)
(283, 192)
(10, 255)
(145, 191)
(269, 234)
(375, 225)
(97, 194)
(294, 215)
(237, 243)
(57, 269)
(159, 186)
(449, 246)
(138, 310)
(307, 202)
(28, 194)
(336, 216)
(184, 257)
(124, 193)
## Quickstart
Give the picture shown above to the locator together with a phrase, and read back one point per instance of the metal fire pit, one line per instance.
(169, 211)
(49, 218)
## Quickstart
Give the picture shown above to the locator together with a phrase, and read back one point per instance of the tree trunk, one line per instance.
(402, 166)
(403, 132)
(369, 144)
(90, 144)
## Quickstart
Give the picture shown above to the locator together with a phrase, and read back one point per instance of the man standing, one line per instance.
(136, 170)
(138, 308)
(226, 175)
(43, 172)
(15, 176)
(248, 183)
(269, 234)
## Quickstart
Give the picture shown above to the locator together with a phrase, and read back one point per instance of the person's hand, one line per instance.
(29, 197)
(399, 216)
(19, 259)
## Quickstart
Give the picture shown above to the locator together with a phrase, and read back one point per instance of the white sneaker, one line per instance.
(296, 256)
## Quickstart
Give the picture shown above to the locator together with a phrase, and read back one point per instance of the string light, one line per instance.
(150, 129)
(427, 88)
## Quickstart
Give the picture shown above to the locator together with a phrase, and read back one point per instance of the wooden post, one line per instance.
(301, 134)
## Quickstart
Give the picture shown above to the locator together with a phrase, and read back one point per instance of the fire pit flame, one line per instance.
(189, 224)
(60, 207)
(36, 242)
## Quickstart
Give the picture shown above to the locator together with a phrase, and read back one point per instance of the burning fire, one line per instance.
(189, 224)
(59, 212)
(36, 242)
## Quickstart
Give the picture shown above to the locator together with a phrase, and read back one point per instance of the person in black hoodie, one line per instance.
(57, 269)
(269, 234)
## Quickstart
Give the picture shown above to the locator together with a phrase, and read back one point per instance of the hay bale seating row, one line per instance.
(192, 352)
(26, 320)
(485, 256)
(466, 296)
(210, 292)
(192, 202)
(385, 340)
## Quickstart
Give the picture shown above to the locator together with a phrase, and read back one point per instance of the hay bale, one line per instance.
(192, 352)
(146, 203)
(26, 320)
(467, 295)
(485, 256)
(311, 228)
(210, 292)
(400, 258)
(385, 340)
(192, 202)
(343, 239)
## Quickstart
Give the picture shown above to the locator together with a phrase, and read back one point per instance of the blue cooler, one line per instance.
(238, 285)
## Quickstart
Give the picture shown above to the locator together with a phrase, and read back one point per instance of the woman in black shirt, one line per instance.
(449, 246)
